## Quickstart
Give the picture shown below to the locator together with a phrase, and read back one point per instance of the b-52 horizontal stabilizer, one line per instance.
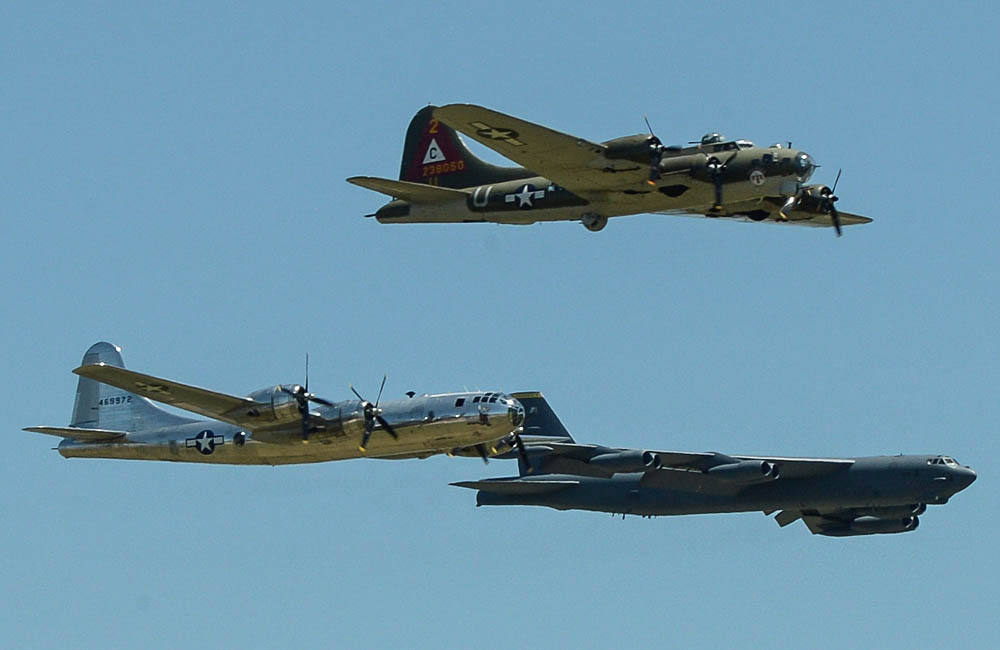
(517, 487)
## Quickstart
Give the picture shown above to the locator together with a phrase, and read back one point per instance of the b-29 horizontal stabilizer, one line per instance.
(82, 435)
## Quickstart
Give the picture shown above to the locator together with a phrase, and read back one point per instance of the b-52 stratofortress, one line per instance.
(836, 497)
(113, 417)
(567, 178)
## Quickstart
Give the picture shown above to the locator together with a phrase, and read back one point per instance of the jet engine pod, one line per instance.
(625, 462)
(892, 512)
(746, 471)
(878, 525)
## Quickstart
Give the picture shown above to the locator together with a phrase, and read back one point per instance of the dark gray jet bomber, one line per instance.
(838, 497)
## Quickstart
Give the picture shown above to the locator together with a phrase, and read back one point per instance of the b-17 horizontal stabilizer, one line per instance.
(517, 487)
(412, 192)
(82, 435)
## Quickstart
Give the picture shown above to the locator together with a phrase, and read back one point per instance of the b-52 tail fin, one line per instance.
(433, 154)
(541, 424)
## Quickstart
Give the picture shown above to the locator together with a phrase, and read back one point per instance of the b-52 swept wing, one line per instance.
(564, 177)
(113, 417)
(833, 496)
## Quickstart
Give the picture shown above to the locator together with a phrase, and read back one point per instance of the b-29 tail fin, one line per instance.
(99, 406)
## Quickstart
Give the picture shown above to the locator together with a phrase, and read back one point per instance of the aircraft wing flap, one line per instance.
(82, 435)
(516, 486)
(219, 406)
(574, 163)
(412, 192)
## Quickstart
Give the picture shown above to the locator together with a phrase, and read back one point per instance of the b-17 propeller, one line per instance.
(822, 196)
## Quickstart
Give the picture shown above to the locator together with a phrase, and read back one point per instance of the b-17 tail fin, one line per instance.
(433, 154)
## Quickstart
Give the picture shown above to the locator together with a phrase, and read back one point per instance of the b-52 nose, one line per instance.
(964, 476)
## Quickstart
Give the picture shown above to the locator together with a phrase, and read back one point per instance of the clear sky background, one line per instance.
(172, 180)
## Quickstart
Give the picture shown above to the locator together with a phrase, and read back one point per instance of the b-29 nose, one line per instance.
(515, 412)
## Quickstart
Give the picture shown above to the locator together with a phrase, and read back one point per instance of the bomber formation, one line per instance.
(114, 417)
(560, 177)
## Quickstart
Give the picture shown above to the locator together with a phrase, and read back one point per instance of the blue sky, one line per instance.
(173, 183)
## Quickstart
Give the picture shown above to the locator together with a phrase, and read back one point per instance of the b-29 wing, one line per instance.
(241, 411)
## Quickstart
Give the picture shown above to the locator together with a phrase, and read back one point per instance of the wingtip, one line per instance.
(82, 370)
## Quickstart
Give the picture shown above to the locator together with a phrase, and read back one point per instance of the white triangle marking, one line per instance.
(434, 153)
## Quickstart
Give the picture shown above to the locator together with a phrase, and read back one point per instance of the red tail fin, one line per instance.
(433, 154)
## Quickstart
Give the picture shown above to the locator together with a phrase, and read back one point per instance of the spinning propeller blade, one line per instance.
(372, 416)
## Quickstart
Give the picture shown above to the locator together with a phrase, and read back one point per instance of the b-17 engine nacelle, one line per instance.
(637, 148)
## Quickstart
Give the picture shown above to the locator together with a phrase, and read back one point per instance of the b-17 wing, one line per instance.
(798, 218)
(574, 163)
(795, 217)
(241, 411)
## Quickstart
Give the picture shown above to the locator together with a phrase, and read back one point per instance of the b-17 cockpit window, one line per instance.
(460, 401)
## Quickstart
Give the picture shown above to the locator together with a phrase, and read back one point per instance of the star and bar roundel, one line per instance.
(205, 441)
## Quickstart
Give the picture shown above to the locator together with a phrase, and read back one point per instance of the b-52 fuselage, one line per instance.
(568, 178)
(113, 417)
(833, 496)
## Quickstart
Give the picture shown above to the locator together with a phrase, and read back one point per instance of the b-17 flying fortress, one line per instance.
(567, 178)
(561, 178)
